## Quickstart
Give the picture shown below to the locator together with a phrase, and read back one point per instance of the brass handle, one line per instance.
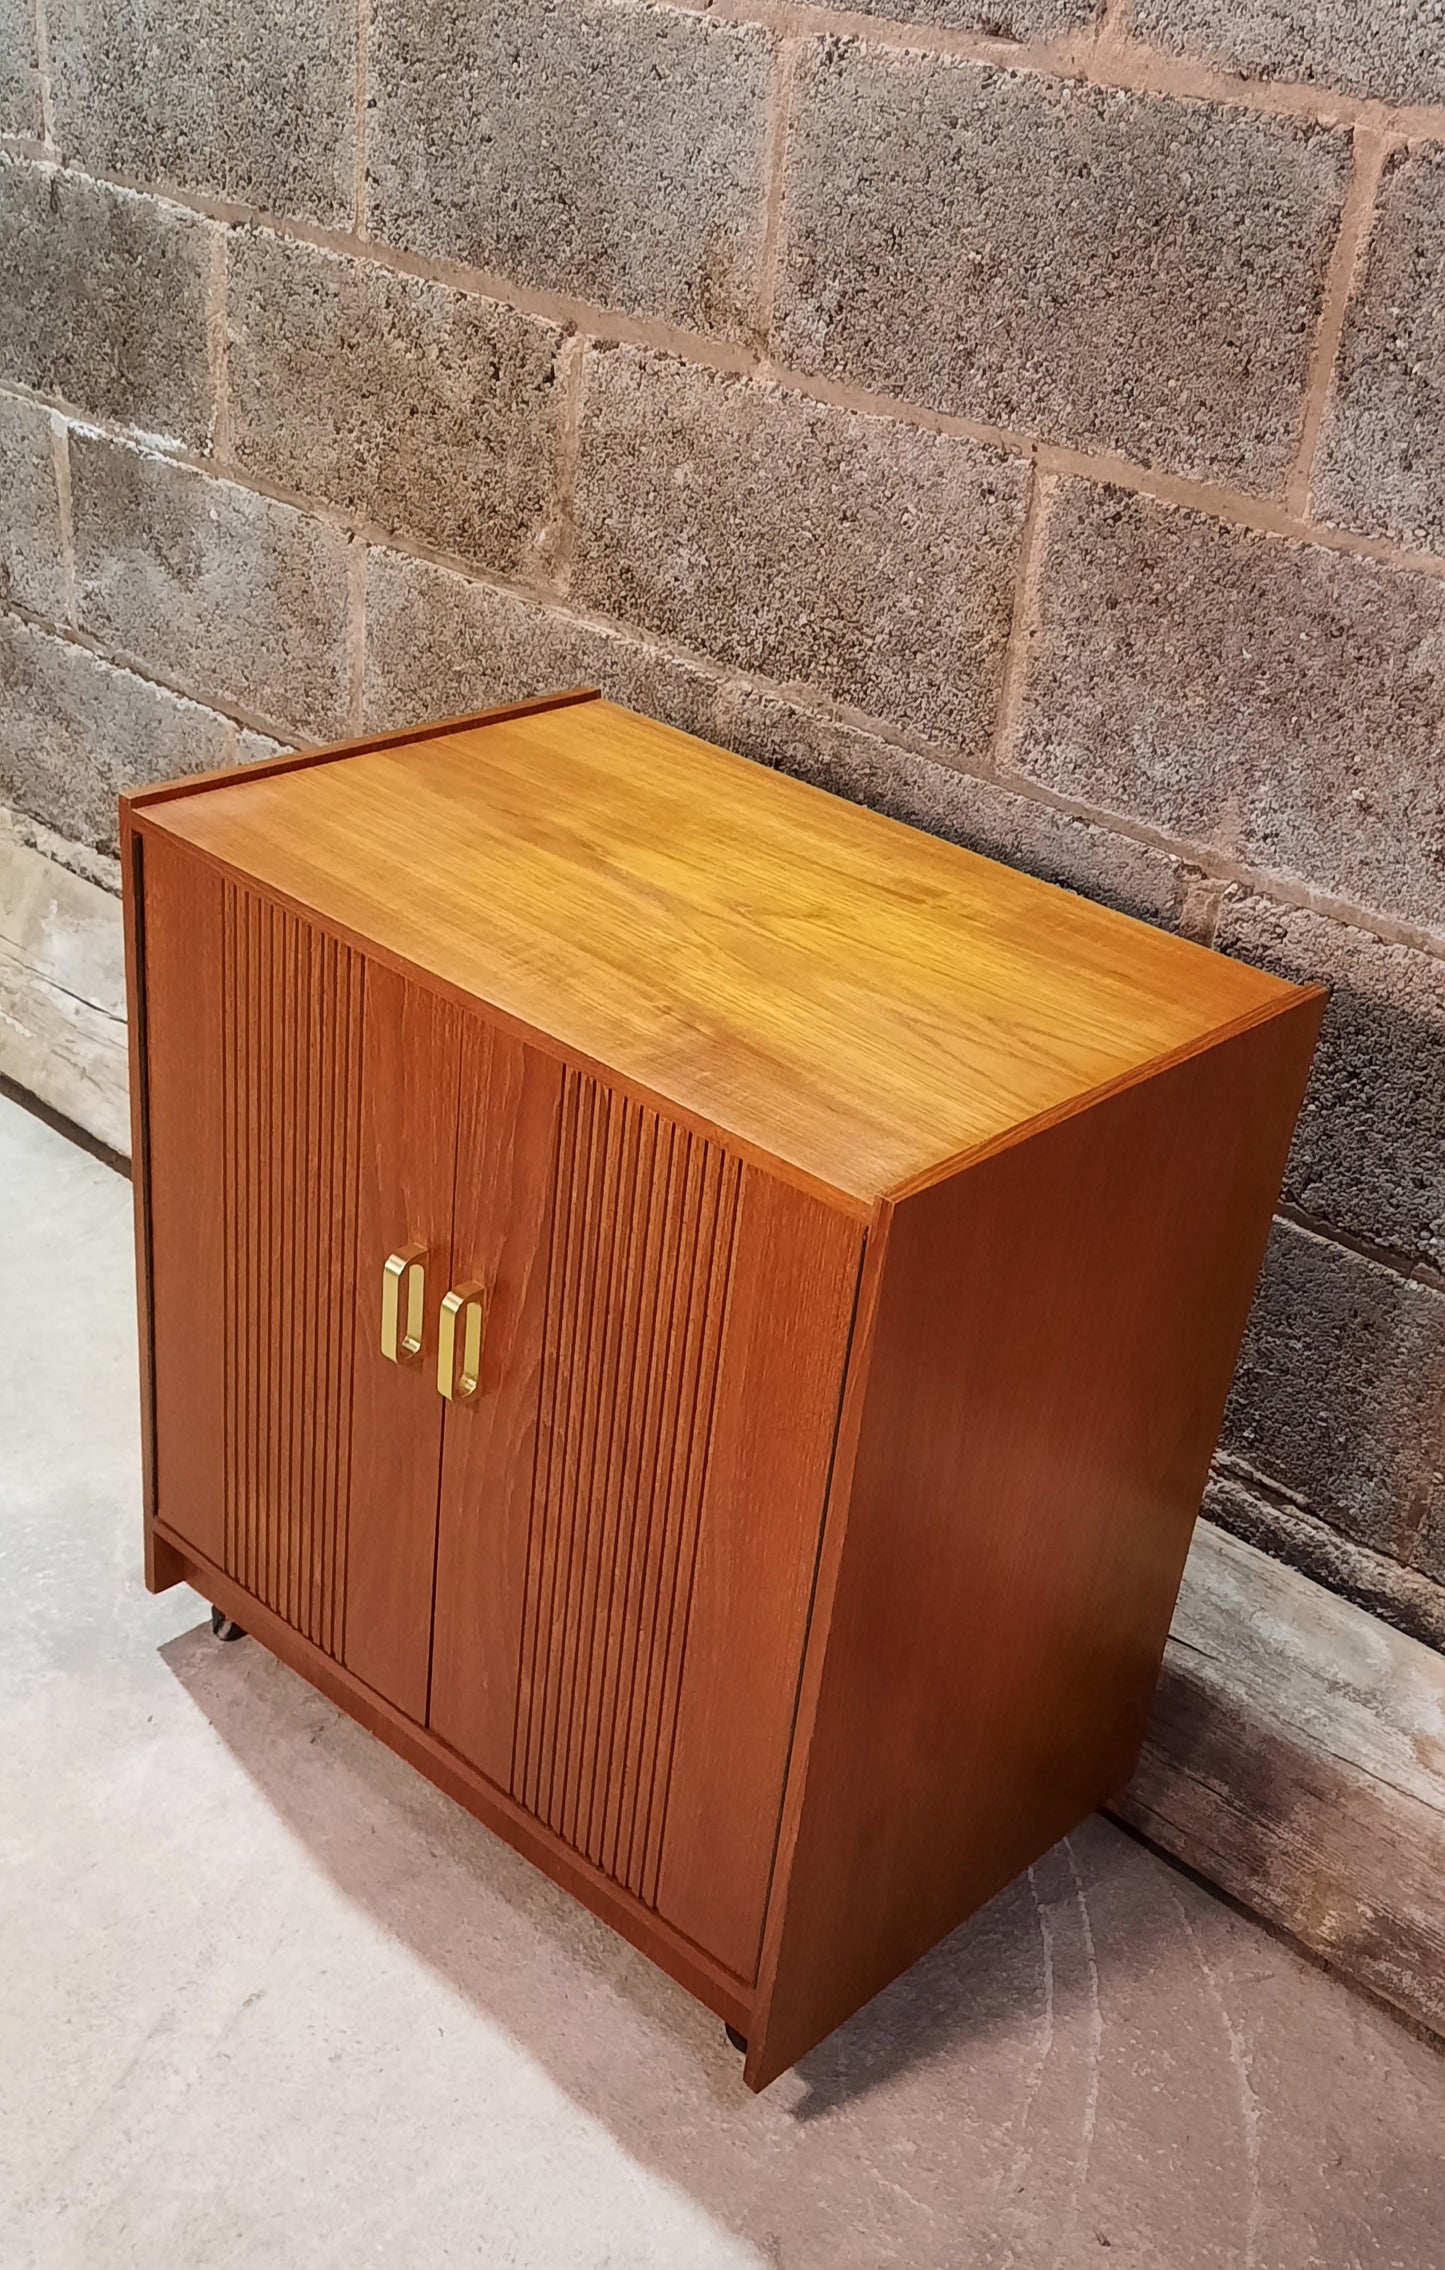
(409, 1264)
(471, 1300)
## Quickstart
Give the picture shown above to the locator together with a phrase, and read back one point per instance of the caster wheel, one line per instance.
(739, 2041)
(223, 1627)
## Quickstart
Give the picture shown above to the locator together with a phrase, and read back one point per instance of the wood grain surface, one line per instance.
(768, 1462)
(301, 1124)
(503, 1142)
(137, 800)
(62, 990)
(1295, 1755)
(288, 1012)
(1055, 1334)
(642, 1256)
(836, 991)
(630, 1512)
(405, 1152)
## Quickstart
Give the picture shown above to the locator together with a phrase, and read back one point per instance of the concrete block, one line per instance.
(239, 600)
(255, 748)
(594, 147)
(74, 732)
(1429, 1553)
(416, 406)
(1381, 464)
(19, 87)
(1001, 19)
(864, 557)
(32, 572)
(1392, 49)
(1402, 1597)
(106, 300)
(975, 813)
(1279, 702)
(249, 100)
(438, 645)
(1337, 1396)
(1106, 270)
(1369, 1151)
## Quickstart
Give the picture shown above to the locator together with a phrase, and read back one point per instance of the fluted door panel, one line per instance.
(302, 1124)
(631, 1506)
(641, 1258)
(292, 1017)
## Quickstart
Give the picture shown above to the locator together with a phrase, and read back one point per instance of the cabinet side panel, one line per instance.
(1056, 1332)
(790, 1306)
(403, 1130)
(185, 1166)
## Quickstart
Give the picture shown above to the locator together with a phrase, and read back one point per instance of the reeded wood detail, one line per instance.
(641, 1261)
(291, 1008)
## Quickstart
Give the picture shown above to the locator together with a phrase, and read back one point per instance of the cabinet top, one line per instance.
(832, 988)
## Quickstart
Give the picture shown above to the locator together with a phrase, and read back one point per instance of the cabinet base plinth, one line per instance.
(164, 1565)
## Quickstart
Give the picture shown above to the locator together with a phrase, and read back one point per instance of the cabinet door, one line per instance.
(301, 1105)
(623, 1588)
(506, 1145)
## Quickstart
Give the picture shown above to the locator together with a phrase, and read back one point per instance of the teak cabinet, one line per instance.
(695, 1312)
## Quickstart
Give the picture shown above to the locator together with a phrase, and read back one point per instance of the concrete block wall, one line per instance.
(1022, 415)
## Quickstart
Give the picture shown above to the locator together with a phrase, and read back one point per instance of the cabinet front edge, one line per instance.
(133, 922)
(759, 2069)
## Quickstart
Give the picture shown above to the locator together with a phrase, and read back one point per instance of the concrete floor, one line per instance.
(266, 1999)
